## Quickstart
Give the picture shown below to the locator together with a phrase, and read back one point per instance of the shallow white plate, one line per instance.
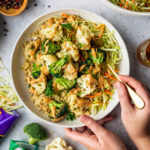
(124, 11)
(18, 59)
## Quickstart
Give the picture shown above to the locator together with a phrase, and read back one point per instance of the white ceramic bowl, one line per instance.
(18, 59)
(107, 3)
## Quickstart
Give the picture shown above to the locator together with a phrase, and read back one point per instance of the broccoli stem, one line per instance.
(49, 90)
(32, 141)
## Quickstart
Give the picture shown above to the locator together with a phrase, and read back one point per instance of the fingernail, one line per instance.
(119, 85)
(84, 118)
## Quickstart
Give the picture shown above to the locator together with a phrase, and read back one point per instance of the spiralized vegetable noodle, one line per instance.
(134, 5)
(8, 97)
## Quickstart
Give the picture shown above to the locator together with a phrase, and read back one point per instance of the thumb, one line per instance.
(126, 106)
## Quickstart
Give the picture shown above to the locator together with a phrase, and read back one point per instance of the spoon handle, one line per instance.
(137, 100)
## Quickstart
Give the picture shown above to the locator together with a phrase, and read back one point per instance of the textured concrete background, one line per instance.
(134, 30)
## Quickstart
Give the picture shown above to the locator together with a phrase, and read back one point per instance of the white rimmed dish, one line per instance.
(107, 3)
(18, 60)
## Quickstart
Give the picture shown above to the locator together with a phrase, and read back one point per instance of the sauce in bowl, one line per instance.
(143, 53)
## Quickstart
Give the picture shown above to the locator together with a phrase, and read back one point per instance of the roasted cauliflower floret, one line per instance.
(48, 59)
(70, 49)
(73, 104)
(39, 87)
(70, 71)
(84, 36)
(58, 34)
(31, 48)
(58, 144)
(53, 32)
(87, 84)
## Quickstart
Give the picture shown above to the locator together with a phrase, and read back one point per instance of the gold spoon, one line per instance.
(13, 12)
(137, 100)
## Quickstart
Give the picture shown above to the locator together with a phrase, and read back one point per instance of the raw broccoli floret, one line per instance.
(35, 132)
(52, 47)
(65, 83)
(58, 109)
(36, 71)
(70, 116)
(55, 68)
(49, 90)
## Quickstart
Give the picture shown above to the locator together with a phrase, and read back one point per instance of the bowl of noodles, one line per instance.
(60, 66)
(130, 7)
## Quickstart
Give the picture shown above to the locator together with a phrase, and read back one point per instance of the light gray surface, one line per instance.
(133, 30)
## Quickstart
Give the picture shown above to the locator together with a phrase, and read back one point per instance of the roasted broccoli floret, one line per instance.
(67, 26)
(55, 68)
(36, 71)
(88, 63)
(49, 91)
(83, 37)
(65, 84)
(35, 132)
(52, 47)
(100, 57)
(58, 110)
(43, 45)
(70, 116)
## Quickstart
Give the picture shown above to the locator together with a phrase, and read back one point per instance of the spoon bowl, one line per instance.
(12, 11)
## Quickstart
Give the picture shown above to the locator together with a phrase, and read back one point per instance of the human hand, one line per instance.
(95, 137)
(136, 121)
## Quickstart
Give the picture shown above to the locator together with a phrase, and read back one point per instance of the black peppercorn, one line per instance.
(7, 4)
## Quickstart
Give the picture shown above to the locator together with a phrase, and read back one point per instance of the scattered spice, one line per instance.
(7, 4)
(5, 34)
(6, 30)
(35, 4)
